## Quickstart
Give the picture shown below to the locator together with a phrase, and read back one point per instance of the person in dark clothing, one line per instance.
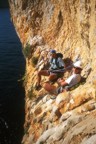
(56, 68)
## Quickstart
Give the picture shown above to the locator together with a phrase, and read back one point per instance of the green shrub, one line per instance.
(26, 130)
(27, 50)
(31, 93)
(34, 60)
(24, 79)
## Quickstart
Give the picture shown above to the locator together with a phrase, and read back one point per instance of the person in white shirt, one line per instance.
(68, 83)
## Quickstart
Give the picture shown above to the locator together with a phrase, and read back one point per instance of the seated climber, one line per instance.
(68, 83)
(56, 69)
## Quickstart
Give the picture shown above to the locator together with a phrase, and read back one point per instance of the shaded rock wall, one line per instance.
(69, 27)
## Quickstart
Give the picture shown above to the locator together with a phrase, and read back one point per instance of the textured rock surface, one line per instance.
(69, 27)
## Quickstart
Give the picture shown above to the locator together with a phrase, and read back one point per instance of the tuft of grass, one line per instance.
(34, 60)
(31, 93)
(27, 50)
(24, 79)
(26, 130)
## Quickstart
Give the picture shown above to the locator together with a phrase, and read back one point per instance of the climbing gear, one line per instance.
(52, 96)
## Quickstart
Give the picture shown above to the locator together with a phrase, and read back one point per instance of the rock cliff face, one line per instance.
(69, 27)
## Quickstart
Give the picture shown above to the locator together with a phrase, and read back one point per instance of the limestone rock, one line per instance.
(69, 27)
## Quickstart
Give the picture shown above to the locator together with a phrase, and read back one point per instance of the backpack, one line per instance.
(59, 55)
